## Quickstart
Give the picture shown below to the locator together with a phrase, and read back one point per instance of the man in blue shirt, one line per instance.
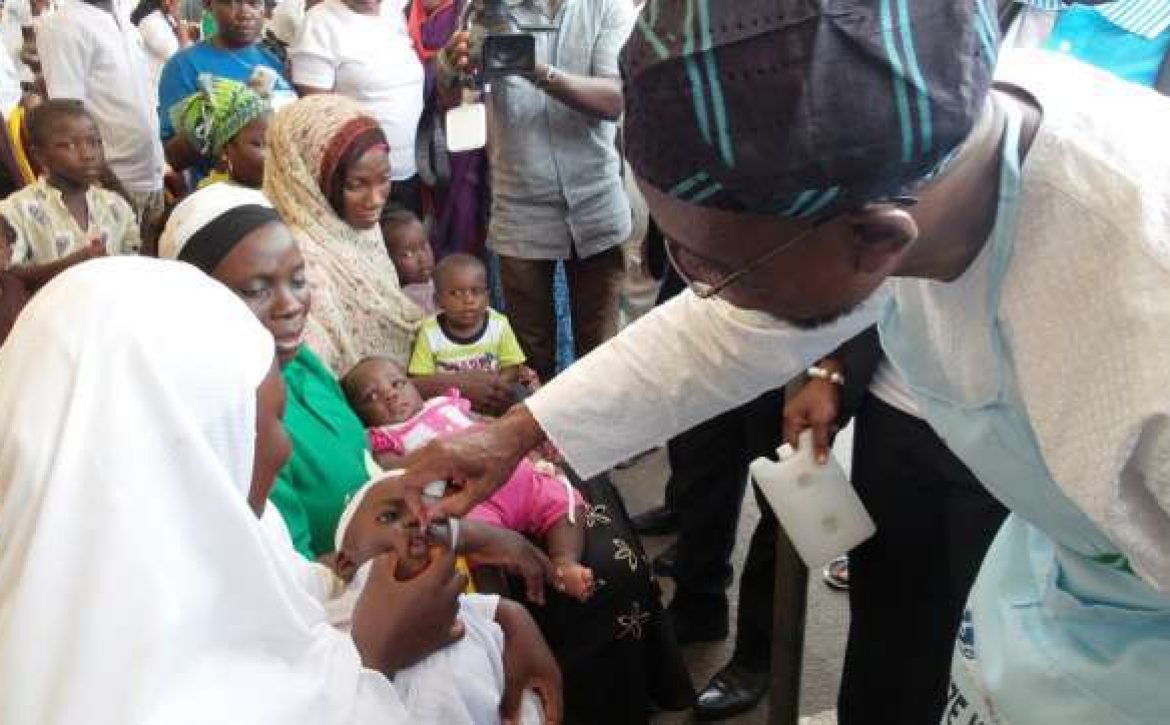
(233, 52)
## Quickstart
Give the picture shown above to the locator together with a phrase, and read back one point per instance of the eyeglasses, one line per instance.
(705, 280)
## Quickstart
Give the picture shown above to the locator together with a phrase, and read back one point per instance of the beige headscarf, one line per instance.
(358, 307)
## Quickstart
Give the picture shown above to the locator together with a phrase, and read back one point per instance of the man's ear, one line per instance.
(880, 234)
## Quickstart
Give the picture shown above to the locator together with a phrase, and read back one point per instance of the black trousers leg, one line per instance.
(757, 584)
(709, 474)
(709, 516)
(908, 584)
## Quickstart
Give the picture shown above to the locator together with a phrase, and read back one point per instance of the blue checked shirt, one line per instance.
(1129, 38)
(1147, 18)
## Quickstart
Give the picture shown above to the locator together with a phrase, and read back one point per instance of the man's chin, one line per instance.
(812, 323)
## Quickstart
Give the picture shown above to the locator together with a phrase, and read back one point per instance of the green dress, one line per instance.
(328, 458)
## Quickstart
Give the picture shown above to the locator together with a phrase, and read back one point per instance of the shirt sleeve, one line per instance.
(21, 252)
(510, 352)
(157, 36)
(313, 57)
(130, 241)
(64, 52)
(173, 86)
(483, 604)
(679, 365)
(422, 360)
(296, 518)
(616, 27)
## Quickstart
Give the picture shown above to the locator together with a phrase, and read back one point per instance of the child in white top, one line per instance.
(460, 684)
(65, 217)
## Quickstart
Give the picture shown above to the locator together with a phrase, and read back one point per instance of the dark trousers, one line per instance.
(909, 583)
(709, 465)
(594, 284)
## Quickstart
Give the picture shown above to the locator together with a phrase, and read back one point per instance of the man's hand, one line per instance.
(398, 623)
(475, 463)
(457, 53)
(485, 545)
(816, 406)
(528, 665)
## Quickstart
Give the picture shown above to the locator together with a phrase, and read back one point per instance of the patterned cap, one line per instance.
(802, 107)
(213, 115)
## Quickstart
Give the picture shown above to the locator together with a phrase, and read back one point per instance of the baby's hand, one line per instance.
(574, 579)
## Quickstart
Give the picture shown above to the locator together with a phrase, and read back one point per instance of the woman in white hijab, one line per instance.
(141, 434)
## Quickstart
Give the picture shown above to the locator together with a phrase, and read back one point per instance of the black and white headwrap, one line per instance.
(208, 225)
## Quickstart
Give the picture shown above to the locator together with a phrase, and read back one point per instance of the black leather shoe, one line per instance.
(733, 690)
(666, 563)
(657, 521)
(699, 618)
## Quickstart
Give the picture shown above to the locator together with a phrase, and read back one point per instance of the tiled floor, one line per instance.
(827, 616)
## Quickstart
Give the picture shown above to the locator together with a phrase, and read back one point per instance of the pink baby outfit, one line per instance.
(534, 499)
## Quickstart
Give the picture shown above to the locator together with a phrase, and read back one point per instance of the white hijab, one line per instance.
(136, 586)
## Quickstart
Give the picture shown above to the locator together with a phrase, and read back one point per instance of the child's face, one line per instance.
(382, 394)
(410, 251)
(73, 151)
(245, 153)
(381, 524)
(462, 295)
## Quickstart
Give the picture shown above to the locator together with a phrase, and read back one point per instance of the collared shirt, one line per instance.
(556, 175)
(1147, 18)
(46, 230)
(89, 55)
(1129, 38)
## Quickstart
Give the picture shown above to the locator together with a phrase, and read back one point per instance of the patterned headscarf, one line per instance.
(358, 307)
(213, 115)
(349, 143)
(802, 107)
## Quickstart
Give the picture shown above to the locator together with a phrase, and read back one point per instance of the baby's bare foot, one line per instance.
(575, 580)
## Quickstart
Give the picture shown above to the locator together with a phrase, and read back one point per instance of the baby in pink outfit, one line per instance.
(536, 500)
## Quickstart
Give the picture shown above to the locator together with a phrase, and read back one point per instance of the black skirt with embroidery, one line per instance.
(617, 651)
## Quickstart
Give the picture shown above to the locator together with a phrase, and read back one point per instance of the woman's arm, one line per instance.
(36, 276)
(487, 545)
(529, 664)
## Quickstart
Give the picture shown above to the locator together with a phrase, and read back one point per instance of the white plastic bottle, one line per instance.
(815, 504)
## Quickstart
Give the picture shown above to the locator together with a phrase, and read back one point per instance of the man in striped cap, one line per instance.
(801, 153)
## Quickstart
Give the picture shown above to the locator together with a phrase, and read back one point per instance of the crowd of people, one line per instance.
(291, 432)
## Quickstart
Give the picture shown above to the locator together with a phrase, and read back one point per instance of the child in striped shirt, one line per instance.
(466, 335)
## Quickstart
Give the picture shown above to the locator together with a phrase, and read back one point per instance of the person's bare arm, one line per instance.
(528, 664)
(36, 276)
(488, 392)
(599, 97)
(487, 545)
(390, 461)
(565, 542)
(510, 374)
(180, 154)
